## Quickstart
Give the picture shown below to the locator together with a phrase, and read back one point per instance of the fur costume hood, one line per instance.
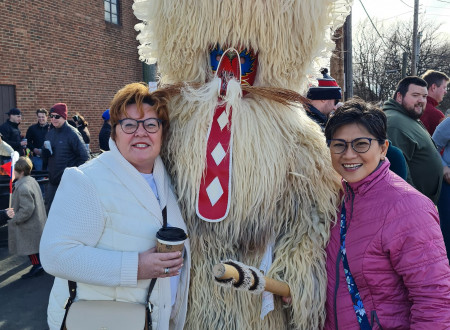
(292, 37)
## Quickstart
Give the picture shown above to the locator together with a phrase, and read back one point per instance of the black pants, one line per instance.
(50, 192)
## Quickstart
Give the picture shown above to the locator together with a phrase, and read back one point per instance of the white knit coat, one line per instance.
(105, 213)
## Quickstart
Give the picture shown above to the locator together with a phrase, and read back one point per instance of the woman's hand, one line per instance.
(153, 264)
(10, 212)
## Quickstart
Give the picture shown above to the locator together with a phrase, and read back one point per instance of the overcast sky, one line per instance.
(387, 11)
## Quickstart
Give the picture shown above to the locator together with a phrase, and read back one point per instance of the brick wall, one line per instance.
(64, 51)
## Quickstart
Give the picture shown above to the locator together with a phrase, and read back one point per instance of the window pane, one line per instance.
(114, 9)
(107, 6)
(107, 17)
(114, 19)
(114, 2)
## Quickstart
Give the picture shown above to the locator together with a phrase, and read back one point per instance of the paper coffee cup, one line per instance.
(170, 239)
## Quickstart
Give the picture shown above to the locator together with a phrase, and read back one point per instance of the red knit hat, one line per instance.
(60, 109)
(328, 88)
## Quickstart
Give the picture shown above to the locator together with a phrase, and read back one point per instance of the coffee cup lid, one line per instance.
(171, 234)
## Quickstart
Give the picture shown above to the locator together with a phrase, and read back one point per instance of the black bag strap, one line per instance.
(72, 295)
(164, 215)
(149, 305)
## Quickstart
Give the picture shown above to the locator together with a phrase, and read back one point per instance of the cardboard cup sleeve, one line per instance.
(170, 239)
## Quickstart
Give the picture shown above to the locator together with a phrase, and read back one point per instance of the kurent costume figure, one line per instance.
(251, 170)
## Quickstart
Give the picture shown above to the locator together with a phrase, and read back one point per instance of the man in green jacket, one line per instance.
(407, 132)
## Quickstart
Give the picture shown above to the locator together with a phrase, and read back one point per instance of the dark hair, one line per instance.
(403, 85)
(38, 111)
(357, 111)
(138, 93)
(80, 119)
(434, 77)
(23, 165)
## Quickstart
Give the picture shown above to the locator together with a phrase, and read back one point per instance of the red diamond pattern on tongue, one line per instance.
(214, 192)
(213, 201)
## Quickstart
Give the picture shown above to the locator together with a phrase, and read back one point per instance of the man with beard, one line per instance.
(406, 131)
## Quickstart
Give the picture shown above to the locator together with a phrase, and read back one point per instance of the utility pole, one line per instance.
(341, 60)
(404, 61)
(348, 57)
(415, 49)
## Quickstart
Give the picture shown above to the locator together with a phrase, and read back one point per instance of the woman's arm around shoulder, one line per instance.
(74, 226)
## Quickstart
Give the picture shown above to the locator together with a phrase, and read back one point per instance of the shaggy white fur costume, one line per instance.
(283, 186)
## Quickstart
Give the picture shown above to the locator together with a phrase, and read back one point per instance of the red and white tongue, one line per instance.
(213, 202)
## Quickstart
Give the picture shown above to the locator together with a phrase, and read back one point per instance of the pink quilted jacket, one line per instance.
(396, 254)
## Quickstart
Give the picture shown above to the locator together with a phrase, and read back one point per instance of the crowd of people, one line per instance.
(387, 257)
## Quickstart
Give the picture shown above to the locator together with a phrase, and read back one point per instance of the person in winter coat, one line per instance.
(105, 132)
(36, 137)
(441, 137)
(406, 132)
(81, 125)
(386, 260)
(101, 230)
(27, 216)
(63, 147)
(11, 133)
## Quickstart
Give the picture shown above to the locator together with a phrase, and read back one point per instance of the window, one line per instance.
(112, 11)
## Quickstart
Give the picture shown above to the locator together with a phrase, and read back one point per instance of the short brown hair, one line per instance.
(44, 111)
(23, 165)
(138, 93)
(403, 85)
(358, 111)
(434, 77)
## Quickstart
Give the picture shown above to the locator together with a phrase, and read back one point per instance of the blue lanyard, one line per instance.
(358, 305)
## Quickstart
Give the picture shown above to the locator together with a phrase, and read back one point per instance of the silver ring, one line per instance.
(166, 270)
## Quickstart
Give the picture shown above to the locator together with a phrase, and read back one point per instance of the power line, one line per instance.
(373, 23)
(385, 19)
(443, 1)
(438, 15)
(406, 4)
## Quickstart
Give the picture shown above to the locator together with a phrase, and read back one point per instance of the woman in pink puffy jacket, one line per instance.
(386, 260)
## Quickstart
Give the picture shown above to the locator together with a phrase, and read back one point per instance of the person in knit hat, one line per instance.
(323, 99)
(63, 147)
(59, 109)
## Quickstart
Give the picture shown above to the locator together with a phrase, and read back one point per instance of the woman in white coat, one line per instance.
(101, 229)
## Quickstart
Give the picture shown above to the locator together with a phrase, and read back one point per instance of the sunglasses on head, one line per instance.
(55, 116)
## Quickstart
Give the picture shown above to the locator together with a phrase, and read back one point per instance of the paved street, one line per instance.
(23, 302)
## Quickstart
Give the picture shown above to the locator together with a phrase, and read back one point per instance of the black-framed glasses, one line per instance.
(151, 125)
(55, 116)
(360, 145)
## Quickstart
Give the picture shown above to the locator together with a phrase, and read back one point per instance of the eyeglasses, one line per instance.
(360, 145)
(151, 125)
(55, 116)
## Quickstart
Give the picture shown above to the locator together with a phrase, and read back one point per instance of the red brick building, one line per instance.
(76, 52)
